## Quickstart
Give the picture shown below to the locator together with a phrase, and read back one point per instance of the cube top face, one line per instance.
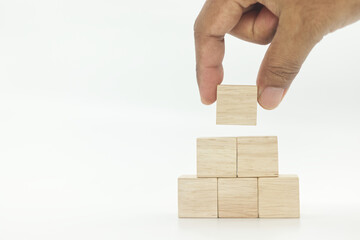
(236, 105)
(216, 157)
(279, 197)
(197, 197)
(257, 156)
(238, 197)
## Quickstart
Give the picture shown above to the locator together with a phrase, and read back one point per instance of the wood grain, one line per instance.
(257, 156)
(238, 197)
(236, 105)
(216, 157)
(197, 197)
(279, 197)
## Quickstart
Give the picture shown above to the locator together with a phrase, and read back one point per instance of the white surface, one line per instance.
(99, 112)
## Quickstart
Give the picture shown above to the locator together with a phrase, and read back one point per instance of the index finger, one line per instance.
(216, 18)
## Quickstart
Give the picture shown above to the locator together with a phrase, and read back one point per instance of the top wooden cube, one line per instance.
(236, 105)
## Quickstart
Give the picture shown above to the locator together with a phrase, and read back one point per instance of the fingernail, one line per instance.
(271, 97)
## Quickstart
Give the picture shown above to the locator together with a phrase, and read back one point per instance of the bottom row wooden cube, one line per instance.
(237, 198)
(279, 197)
(270, 197)
(197, 197)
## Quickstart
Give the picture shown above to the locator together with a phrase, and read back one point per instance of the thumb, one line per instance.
(282, 62)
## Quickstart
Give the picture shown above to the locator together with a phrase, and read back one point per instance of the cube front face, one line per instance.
(257, 156)
(279, 197)
(236, 105)
(238, 197)
(216, 157)
(197, 197)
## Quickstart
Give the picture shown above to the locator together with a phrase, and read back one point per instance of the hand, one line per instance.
(293, 27)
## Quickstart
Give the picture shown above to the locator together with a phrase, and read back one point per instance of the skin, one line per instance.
(292, 27)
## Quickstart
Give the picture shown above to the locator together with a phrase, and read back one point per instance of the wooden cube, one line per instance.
(236, 105)
(238, 197)
(279, 197)
(197, 197)
(257, 156)
(216, 157)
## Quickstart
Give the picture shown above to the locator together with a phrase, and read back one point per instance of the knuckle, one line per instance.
(281, 75)
(309, 19)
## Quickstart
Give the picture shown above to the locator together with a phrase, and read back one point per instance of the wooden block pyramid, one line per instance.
(237, 177)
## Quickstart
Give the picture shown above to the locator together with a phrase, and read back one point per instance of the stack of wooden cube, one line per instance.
(237, 177)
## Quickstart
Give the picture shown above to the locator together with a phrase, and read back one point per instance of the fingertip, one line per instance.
(271, 97)
(207, 94)
(206, 101)
(208, 80)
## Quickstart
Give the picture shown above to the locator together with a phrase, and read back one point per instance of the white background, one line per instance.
(99, 112)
